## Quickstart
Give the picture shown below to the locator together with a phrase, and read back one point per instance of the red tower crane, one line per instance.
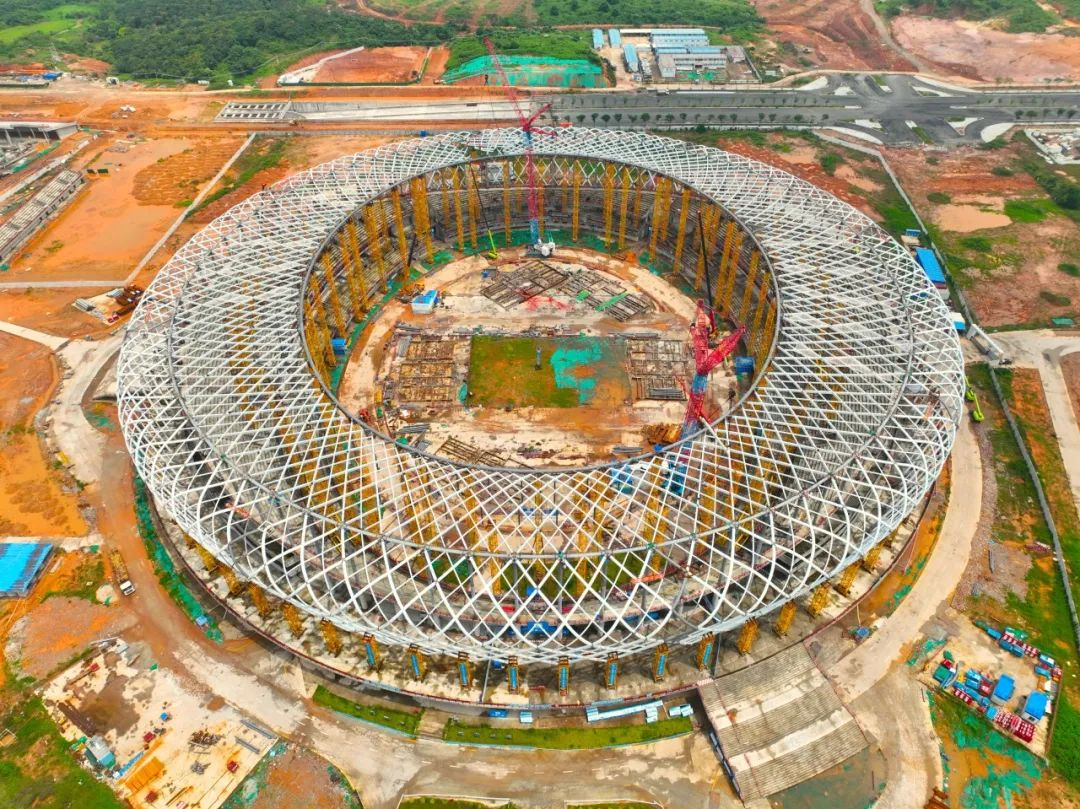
(705, 358)
(528, 127)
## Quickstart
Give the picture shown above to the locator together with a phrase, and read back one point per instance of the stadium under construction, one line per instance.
(394, 432)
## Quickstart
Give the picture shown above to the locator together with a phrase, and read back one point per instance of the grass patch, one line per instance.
(939, 198)
(1069, 268)
(1055, 298)
(1029, 210)
(552, 45)
(829, 162)
(574, 738)
(980, 244)
(450, 803)
(1002, 171)
(37, 769)
(264, 153)
(405, 722)
(86, 579)
(503, 372)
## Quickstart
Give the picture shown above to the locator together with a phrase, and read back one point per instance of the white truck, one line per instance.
(120, 573)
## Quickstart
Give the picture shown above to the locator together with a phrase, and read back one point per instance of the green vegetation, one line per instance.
(728, 15)
(550, 44)
(829, 162)
(450, 803)
(1054, 298)
(37, 769)
(1069, 268)
(264, 153)
(1002, 171)
(1063, 190)
(1021, 16)
(939, 198)
(86, 579)
(618, 805)
(978, 243)
(402, 721)
(570, 738)
(200, 39)
(1029, 210)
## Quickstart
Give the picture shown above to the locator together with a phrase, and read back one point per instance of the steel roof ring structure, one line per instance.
(846, 429)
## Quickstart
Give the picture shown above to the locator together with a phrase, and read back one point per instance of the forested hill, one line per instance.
(194, 39)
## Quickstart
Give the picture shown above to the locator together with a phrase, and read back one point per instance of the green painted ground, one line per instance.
(502, 371)
(402, 721)
(573, 738)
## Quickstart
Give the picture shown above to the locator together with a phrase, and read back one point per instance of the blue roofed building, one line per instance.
(1003, 690)
(928, 261)
(21, 563)
(633, 64)
(1035, 706)
(597, 39)
(614, 37)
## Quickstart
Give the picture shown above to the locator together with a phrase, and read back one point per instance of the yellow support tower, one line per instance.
(564, 676)
(332, 294)
(609, 201)
(292, 618)
(751, 280)
(493, 564)
(785, 620)
(417, 663)
(747, 635)
(819, 600)
(471, 197)
(354, 271)
(208, 560)
(770, 322)
(756, 340)
(657, 215)
(506, 203)
(847, 579)
(624, 206)
(444, 188)
(259, 599)
(374, 236)
(665, 221)
(540, 168)
(456, 175)
(871, 559)
(659, 663)
(465, 671)
(421, 215)
(729, 240)
(330, 637)
(732, 271)
(611, 671)
(680, 235)
(575, 213)
(235, 585)
(513, 675)
(639, 189)
(399, 226)
(710, 222)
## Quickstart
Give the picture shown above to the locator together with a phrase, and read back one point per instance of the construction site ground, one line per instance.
(1001, 234)
(393, 65)
(511, 409)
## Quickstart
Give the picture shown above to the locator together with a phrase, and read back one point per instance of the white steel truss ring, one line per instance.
(847, 429)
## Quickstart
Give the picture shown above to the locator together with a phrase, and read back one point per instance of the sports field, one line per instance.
(573, 371)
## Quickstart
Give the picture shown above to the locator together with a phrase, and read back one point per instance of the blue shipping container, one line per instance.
(928, 261)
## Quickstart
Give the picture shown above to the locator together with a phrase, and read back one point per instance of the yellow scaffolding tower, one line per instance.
(472, 196)
(371, 651)
(330, 637)
(785, 619)
(608, 183)
(871, 559)
(710, 223)
(292, 618)
(729, 240)
(706, 650)
(354, 271)
(819, 600)
(259, 599)
(847, 579)
(232, 580)
(659, 663)
(375, 246)
(575, 215)
(665, 220)
(208, 560)
(417, 663)
(444, 189)
(399, 225)
(624, 206)
(506, 203)
(731, 273)
(639, 188)
(659, 215)
(680, 235)
(421, 216)
(747, 635)
(458, 219)
(332, 293)
(751, 281)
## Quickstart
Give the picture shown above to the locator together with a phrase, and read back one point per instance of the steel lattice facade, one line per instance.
(847, 426)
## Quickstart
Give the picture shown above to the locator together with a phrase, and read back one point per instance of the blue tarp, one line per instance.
(928, 261)
(1004, 689)
(1035, 707)
(20, 565)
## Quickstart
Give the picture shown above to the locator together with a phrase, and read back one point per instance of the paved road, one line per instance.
(892, 108)
(1043, 350)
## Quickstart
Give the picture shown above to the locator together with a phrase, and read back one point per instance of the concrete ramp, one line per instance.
(778, 723)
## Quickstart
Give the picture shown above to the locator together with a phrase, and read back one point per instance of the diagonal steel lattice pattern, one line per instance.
(844, 431)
